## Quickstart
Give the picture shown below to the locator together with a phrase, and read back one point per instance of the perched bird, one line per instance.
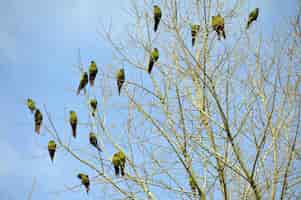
(218, 24)
(252, 17)
(92, 72)
(38, 119)
(157, 16)
(195, 28)
(73, 122)
(153, 58)
(93, 104)
(93, 141)
(122, 162)
(31, 105)
(83, 82)
(84, 180)
(51, 149)
(118, 161)
(120, 76)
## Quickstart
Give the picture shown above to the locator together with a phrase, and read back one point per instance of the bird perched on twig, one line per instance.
(153, 59)
(118, 161)
(73, 122)
(218, 24)
(120, 77)
(38, 119)
(92, 72)
(83, 82)
(157, 17)
(93, 141)
(93, 104)
(85, 181)
(51, 149)
(252, 17)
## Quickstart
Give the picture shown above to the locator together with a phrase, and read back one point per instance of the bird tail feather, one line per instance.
(150, 65)
(37, 128)
(74, 130)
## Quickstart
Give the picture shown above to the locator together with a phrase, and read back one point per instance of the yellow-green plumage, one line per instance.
(153, 59)
(195, 28)
(157, 17)
(83, 82)
(31, 105)
(84, 180)
(92, 72)
(122, 162)
(120, 77)
(51, 149)
(252, 17)
(73, 122)
(118, 161)
(38, 119)
(218, 25)
(93, 104)
(93, 141)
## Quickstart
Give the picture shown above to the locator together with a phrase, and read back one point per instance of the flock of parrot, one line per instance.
(119, 158)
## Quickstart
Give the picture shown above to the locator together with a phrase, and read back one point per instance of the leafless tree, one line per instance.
(220, 120)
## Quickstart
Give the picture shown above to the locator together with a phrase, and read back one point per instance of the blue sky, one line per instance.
(38, 53)
(39, 41)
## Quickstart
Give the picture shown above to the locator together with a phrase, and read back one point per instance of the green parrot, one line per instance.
(73, 122)
(92, 72)
(93, 141)
(120, 76)
(84, 180)
(195, 28)
(157, 16)
(93, 104)
(122, 162)
(153, 58)
(252, 17)
(38, 119)
(51, 149)
(83, 82)
(218, 24)
(31, 105)
(118, 161)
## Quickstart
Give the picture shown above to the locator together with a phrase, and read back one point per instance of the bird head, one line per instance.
(51, 145)
(80, 175)
(91, 134)
(93, 102)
